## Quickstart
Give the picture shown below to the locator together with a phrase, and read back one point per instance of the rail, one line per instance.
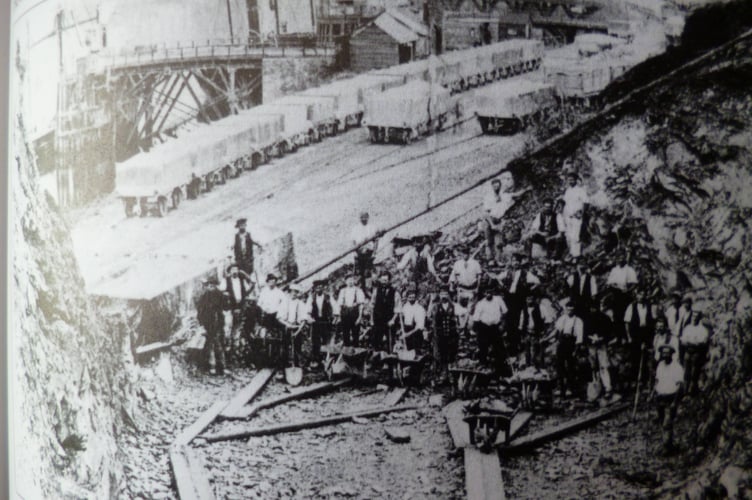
(216, 49)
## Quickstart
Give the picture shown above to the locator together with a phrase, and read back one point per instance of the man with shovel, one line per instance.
(296, 320)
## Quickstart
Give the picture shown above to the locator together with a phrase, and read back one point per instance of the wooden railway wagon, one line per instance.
(297, 129)
(154, 181)
(349, 96)
(509, 107)
(319, 111)
(406, 113)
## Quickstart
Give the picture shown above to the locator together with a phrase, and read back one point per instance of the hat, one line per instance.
(686, 299)
(271, 276)
(296, 287)
(211, 280)
(364, 214)
(240, 222)
(666, 348)
(231, 266)
(318, 283)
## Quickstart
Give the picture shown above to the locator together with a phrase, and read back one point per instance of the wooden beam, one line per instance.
(153, 347)
(395, 396)
(483, 475)
(458, 428)
(199, 425)
(306, 424)
(534, 440)
(303, 392)
(189, 473)
(247, 393)
(519, 422)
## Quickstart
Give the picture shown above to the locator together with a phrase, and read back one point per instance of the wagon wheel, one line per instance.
(162, 206)
(177, 197)
(143, 208)
(129, 204)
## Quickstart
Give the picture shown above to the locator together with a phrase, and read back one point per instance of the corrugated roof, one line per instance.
(408, 21)
(399, 26)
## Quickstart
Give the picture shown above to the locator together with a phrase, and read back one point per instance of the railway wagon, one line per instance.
(155, 180)
(349, 96)
(320, 111)
(264, 134)
(297, 128)
(406, 113)
(578, 78)
(509, 107)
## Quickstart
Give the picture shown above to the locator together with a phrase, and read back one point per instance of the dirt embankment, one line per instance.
(669, 177)
(70, 380)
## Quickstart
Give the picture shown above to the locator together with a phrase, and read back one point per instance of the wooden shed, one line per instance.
(391, 38)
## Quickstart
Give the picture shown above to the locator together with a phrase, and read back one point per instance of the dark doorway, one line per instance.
(438, 42)
(405, 54)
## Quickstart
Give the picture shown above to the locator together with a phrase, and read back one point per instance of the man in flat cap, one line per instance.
(243, 248)
(210, 315)
(445, 334)
(669, 380)
(367, 236)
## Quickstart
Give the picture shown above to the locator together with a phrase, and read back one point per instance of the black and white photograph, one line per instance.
(379, 249)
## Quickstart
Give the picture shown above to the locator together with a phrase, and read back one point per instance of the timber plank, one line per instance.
(483, 475)
(303, 392)
(197, 427)
(519, 422)
(153, 347)
(395, 396)
(536, 439)
(454, 413)
(306, 424)
(189, 473)
(247, 393)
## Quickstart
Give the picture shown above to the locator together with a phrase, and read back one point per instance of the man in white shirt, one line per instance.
(672, 315)
(516, 282)
(413, 322)
(418, 261)
(669, 379)
(295, 319)
(664, 336)
(272, 302)
(694, 345)
(496, 204)
(350, 302)
(486, 323)
(465, 276)
(569, 331)
(366, 234)
(575, 201)
(621, 281)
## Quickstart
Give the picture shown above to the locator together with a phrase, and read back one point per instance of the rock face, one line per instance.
(69, 378)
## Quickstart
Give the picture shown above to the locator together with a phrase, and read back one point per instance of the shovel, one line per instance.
(294, 374)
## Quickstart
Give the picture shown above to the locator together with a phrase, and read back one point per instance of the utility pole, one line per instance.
(229, 19)
(61, 172)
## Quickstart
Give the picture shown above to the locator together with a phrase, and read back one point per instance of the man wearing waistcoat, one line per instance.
(582, 287)
(210, 315)
(386, 306)
(531, 327)
(350, 301)
(547, 232)
(323, 312)
(237, 287)
(516, 283)
(243, 248)
(569, 333)
(445, 334)
(639, 319)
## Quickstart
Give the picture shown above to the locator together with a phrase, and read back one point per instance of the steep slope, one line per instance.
(69, 377)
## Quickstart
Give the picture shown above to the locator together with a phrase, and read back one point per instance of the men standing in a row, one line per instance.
(367, 235)
(465, 276)
(486, 323)
(386, 306)
(575, 202)
(323, 312)
(243, 248)
(350, 301)
(210, 315)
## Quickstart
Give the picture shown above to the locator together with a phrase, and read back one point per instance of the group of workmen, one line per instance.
(611, 335)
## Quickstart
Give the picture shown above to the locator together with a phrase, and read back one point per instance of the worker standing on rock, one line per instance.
(621, 281)
(568, 332)
(531, 327)
(575, 203)
(237, 287)
(547, 233)
(465, 276)
(516, 282)
(350, 301)
(496, 205)
(669, 379)
(243, 248)
(367, 236)
(694, 344)
(486, 323)
(582, 286)
(210, 315)
(412, 321)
